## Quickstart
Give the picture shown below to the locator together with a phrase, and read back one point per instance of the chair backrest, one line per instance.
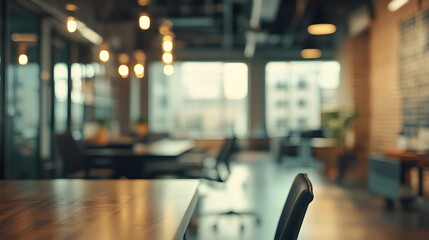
(223, 159)
(300, 195)
(70, 153)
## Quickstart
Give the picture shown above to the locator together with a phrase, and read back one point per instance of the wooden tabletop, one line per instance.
(96, 209)
(162, 148)
(408, 157)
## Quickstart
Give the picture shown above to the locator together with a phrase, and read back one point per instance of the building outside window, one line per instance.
(200, 100)
(311, 87)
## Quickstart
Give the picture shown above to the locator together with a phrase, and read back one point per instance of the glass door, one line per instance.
(22, 94)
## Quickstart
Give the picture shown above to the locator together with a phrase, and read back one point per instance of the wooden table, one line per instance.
(410, 159)
(96, 209)
(131, 162)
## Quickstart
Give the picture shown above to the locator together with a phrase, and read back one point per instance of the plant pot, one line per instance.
(101, 136)
(142, 129)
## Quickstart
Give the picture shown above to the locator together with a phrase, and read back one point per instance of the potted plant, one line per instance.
(141, 126)
(339, 123)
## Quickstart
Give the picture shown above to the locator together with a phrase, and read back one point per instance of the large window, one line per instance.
(200, 100)
(296, 92)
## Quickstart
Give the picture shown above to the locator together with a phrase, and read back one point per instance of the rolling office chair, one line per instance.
(73, 158)
(299, 197)
(220, 173)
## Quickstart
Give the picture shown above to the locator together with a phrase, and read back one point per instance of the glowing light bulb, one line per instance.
(123, 70)
(144, 21)
(71, 24)
(167, 46)
(321, 29)
(70, 7)
(139, 70)
(104, 55)
(310, 53)
(22, 59)
(167, 58)
(168, 70)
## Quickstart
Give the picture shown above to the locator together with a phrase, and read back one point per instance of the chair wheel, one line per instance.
(215, 227)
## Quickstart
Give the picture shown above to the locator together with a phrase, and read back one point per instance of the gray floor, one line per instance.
(337, 212)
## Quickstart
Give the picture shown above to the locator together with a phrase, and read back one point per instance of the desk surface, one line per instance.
(162, 148)
(96, 209)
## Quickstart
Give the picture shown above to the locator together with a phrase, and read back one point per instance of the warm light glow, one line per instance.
(22, 59)
(139, 55)
(168, 70)
(167, 58)
(321, 29)
(166, 38)
(310, 53)
(71, 24)
(144, 21)
(139, 70)
(71, 7)
(143, 2)
(123, 58)
(167, 46)
(104, 55)
(123, 70)
(396, 4)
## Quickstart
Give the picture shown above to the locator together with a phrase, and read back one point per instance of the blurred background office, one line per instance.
(337, 89)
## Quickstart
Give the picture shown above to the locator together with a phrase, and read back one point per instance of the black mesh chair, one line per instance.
(300, 195)
(73, 159)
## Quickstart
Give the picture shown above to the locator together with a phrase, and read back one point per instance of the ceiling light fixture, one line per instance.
(104, 55)
(168, 70)
(143, 2)
(167, 58)
(22, 54)
(139, 70)
(23, 59)
(321, 29)
(167, 46)
(71, 7)
(144, 21)
(71, 20)
(396, 4)
(123, 70)
(321, 24)
(311, 53)
(71, 24)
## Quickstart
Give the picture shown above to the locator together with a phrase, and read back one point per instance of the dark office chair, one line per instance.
(220, 173)
(73, 158)
(300, 195)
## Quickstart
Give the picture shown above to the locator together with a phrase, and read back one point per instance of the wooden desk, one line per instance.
(130, 162)
(410, 159)
(96, 209)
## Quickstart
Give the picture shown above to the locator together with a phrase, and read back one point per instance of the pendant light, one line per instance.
(71, 23)
(321, 25)
(123, 69)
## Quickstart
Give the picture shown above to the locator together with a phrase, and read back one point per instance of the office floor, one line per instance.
(337, 212)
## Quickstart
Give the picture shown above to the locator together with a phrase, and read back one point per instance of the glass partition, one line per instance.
(22, 104)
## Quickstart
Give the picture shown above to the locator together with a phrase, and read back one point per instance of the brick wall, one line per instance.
(386, 115)
(385, 96)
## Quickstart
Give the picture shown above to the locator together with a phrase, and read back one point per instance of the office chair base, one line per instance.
(239, 214)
